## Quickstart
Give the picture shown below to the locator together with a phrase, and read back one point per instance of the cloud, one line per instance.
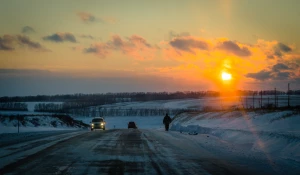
(90, 18)
(279, 66)
(129, 43)
(134, 46)
(86, 17)
(188, 44)
(100, 49)
(280, 49)
(277, 50)
(234, 48)
(284, 48)
(28, 30)
(283, 75)
(117, 42)
(138, 41)
(6, 42)
(61, 37)
(24, 40)
(261, 75)
(9, 42)
(278, 71)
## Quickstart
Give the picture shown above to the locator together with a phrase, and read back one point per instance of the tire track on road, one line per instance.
(12, 166)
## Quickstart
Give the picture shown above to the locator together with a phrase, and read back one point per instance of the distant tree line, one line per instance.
(101, 111)
(111, 97)
(108, 98)
(12, 106)
(125, 111)
(48, 107)
(266, 92)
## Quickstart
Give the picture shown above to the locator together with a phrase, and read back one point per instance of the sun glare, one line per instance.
(226, 76)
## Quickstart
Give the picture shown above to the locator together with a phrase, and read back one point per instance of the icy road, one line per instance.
(130, 151)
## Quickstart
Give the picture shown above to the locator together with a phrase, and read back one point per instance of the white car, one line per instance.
(98, 123)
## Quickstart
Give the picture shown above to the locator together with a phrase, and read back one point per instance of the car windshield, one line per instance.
(97, 120)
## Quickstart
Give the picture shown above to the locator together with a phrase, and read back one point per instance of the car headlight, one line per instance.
(102, 124)
(92, 124)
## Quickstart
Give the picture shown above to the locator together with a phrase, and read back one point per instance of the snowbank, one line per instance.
(28, 123)
(274, 133)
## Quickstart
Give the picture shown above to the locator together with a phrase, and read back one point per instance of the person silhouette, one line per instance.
(167, 120)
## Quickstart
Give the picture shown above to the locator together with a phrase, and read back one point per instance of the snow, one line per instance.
(34, 123)
(275, 133)
(213, 102)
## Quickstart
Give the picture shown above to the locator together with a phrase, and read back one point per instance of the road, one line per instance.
(130, 151)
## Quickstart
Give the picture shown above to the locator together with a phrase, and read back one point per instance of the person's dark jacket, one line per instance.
(167, 120)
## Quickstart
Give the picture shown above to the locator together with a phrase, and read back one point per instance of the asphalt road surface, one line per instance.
(129, 151)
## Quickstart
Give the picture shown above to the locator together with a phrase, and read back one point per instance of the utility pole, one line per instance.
(288, 94)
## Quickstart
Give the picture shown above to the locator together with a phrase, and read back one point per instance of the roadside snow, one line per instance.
(276, 134)
(9, 124)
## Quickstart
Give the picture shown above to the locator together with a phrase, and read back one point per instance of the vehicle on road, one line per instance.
(98, 123)
(132, 125)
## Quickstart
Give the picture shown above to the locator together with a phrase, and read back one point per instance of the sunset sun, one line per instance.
(226, 76)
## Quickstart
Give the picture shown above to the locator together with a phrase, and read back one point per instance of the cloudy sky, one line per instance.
(98, 46)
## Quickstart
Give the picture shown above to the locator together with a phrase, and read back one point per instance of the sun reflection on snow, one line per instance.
(258, 141)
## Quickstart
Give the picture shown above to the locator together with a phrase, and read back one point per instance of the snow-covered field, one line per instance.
(212, 102)
(275, 134)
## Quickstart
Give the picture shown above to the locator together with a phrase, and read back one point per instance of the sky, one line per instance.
(98, 46)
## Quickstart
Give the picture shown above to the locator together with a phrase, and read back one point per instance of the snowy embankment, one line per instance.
(38, 122)
(276, 134)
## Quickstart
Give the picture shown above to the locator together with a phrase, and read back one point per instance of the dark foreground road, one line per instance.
(132, 152)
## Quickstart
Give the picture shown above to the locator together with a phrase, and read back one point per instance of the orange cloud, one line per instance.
(245, 62)
(196, 60)
(133, 46)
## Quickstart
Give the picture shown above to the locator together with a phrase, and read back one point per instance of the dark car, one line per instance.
(132, 125)
(98, 123)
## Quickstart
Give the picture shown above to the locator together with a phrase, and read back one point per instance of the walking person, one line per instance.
(167, 120)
